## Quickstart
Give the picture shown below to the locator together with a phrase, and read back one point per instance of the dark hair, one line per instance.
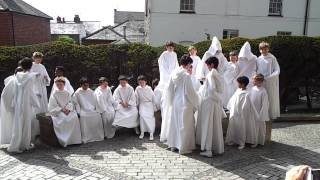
(26, 63)
(102, 80)
(18, 69)
(213, 60)
(142, 78)
(233, 53)
(185, 60)
(60, 79)
(169, 43)
(155, 82)
(243, 80)
(60, 68)
(83, 80)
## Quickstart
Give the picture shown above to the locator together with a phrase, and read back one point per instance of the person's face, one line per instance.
(142, 83)
(264, 51)
(210, 66)
(189, 69)
(58, 73)
(123, 83)
(241, 86)
(170, 48)
(60, 85)
(257, 83)
(193, 52)
(233, 59)
(104, 85)
(85, 86)
(37, 60)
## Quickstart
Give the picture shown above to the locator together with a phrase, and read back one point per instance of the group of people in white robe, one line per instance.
(192, 98)
(196, 95)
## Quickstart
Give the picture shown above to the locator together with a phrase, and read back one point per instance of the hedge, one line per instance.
(297, 56)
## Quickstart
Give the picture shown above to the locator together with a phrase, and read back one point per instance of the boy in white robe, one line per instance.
(18, 101)
(64, 117)
(90, 119)
(268, 66)
(259, 98)
(196, 62)
(106, 105)
(157, 95)
(183, 102)
(247, 64)
(43, 80)
(243, 115)
(126, 109)
(209, 133)
(145, 101)
(59, 72)
(229, 77)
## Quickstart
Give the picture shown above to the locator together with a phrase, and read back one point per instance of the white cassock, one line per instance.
(259, 98)
(18, 102)
(215, 46)
(230, 87)
(243, 115)
(157, 99)
(125, 117)
(106, 105)
(167, 62)
(145, 100)
(183, 102)
(196, 62)
(209, 133)
(67, 86)
(247, 64)
(66, 127)
(269, 67)
(90, 119)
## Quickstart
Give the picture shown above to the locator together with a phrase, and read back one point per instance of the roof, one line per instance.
(22, 7)
(121, 16)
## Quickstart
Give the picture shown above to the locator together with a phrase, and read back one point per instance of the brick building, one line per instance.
(22, 24)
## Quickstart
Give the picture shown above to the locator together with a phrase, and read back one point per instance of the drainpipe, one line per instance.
(306, 18)
(12, 26)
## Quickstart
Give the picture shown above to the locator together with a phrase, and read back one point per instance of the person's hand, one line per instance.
(66, 111)
(297, 172)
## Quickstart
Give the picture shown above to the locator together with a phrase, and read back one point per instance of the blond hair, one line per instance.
(191, 48)
(37, 55)
(60, 79)
(264, 44)
(259, 77)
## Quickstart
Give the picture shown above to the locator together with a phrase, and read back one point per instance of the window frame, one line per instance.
(191, 6)
(229, 33)
(273, 6)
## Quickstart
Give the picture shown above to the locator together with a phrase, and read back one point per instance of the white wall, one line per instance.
(250, 17)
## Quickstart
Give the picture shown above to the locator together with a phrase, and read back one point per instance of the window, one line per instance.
(187, 6)
(283, 33)
(230, 33)
(275, 8)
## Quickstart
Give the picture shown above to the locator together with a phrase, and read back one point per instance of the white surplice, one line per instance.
(243, 115)
(167, 62)
(247, 64)
(66, 127)
(67, 86)
(196, 62)
(259, 98)
(145, 101)
(157, 99)
(18, 102)
(90, 119)
(183, 102)
(125, 117)
(230, 87)
(106, 105)
(269, 67)
(209, 133)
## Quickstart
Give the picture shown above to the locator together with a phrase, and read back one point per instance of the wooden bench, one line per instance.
(47, 134)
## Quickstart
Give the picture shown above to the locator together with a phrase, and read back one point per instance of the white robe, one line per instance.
(243, 115)
(259, 98)
(230, 87)
(18, 102)
(125, 117)
(183, 102)
(145, 101)
(106, 105)
(66, 127)
(269, 67)
(67, 86)
(157, 99)
(90, 119)
(209, 133)
(196, 62)
(247, 64)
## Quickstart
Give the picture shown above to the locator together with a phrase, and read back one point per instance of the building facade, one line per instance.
(190, 21)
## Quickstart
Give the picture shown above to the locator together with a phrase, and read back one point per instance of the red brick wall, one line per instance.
(30, 29)
(6, 37)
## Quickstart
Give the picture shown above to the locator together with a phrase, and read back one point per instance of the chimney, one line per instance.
(125, 32)
(76, 18)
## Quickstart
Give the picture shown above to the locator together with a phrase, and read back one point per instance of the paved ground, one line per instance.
(127, 157)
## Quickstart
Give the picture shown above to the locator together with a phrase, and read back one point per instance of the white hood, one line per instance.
(215, 46)
(245, 52)
(178, 74)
